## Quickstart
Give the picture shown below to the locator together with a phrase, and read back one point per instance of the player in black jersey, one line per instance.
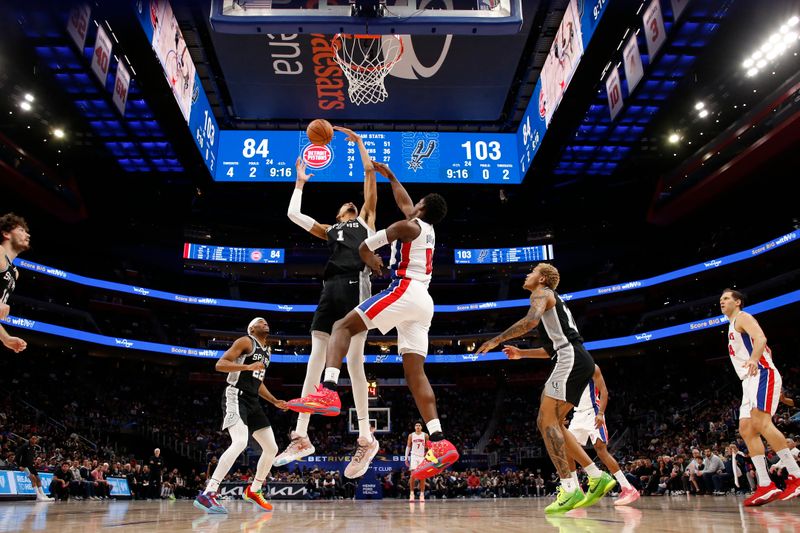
(245, 362)
(14, 239)
(346, 284)
(573, 369)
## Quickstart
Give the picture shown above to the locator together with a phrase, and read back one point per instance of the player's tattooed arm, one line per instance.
(539, 301)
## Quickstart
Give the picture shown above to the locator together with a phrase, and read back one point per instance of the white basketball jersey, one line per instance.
(740, 348)
(590, 399)
(418, 444)
(414, 260)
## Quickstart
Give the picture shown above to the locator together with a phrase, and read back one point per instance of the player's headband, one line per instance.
(253, 323)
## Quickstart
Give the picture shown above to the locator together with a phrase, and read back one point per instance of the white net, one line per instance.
(366, 60)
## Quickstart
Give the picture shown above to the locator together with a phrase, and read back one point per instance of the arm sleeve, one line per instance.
(377, 240)
(408, 451)
(294, 214)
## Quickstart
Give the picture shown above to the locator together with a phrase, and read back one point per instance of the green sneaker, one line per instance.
(565, 501)
(598, 487)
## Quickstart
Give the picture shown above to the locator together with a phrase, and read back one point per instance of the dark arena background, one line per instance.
(649, 150)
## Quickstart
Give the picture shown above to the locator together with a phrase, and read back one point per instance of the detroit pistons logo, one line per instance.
(256, 255)
(317, 157)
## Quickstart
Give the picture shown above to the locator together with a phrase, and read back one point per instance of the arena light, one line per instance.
(703, 113)
(58, 133)
(699, 105)
(770, 50)
(25, 106)
(674, 138)
(29, 97)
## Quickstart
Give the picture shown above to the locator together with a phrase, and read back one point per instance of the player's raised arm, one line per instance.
(401, 197)
(541, 301)
(370, 187)
(227, 363)
(304, 221)
(404, 231)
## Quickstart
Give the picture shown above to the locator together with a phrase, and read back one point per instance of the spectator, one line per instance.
(59, 487)
(329, 487)
(714, 473)
(473, 485)
(156, 463)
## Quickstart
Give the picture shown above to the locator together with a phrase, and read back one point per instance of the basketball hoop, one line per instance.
(366, 60)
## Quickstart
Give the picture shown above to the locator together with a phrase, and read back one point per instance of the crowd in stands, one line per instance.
(673, 427)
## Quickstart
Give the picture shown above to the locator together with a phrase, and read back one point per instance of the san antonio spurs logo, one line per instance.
(421, 153)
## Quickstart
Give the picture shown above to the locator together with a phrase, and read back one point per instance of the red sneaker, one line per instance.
(321, 402)
(792, 488)
(441, 455)
(763, 495)
(257, 497)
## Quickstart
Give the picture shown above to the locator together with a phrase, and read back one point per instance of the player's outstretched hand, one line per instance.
(300, 165)
(15, 344)
(5, 310)
(599, 420)
(281, 404)
(351, 135)
(383, 169)
(486, 346)
(375, 263)
(785, 400)
(512, 352)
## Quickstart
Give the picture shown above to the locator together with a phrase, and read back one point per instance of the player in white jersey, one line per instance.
(589, 422)
(415, 456)
(405, 305)
(761, 391)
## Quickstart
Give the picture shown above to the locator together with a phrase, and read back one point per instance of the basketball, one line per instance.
(320, 132)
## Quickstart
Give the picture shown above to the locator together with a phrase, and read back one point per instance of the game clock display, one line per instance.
(524, 254)
(232, 254)
(264, 156)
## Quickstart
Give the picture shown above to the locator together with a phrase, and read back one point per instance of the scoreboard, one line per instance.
(232, 254)
(265, 156)
(525, 254)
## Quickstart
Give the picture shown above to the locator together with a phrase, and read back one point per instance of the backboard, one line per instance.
(409, 17)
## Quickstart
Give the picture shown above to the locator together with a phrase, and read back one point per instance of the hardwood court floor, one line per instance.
(666, 514)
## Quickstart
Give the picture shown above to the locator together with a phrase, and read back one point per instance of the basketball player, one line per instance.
(588, 422)
(26, 461)
(245, 362)
(14, 239)
(415, 456)
(346, 283)
(405, 305)
(761, 390)
(571, 375)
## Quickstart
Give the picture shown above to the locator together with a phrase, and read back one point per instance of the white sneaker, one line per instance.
(43, 498)
(362, 457)
(299, 447)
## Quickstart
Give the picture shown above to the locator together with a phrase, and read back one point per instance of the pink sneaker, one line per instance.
(320, 402)
(299, 447)
(362, 457)
(440, 455)
(627, 496)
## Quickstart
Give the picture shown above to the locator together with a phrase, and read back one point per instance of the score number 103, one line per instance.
(482, 151)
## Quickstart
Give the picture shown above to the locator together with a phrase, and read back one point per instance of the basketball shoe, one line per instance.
(627, 496)
(598, 487)
(362, 457)
(763, 495)
(441, 454)
(298, 448)
(565, 501)
(321, 402)
(792, 488)
(257, 497)
(208, 503)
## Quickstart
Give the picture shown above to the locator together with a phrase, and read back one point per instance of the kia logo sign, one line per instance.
(317, 157)
(256, 255)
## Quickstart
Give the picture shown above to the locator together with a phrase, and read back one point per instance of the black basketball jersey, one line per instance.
(557, 327)
(344, 238)
(248, 381)
(8, 281)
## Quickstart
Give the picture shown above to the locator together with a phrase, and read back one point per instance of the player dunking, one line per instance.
(415, 456)
(571, 375)
(245, 362)
(761, 391)
(14, 239)
(405, 305)
(346, 283)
